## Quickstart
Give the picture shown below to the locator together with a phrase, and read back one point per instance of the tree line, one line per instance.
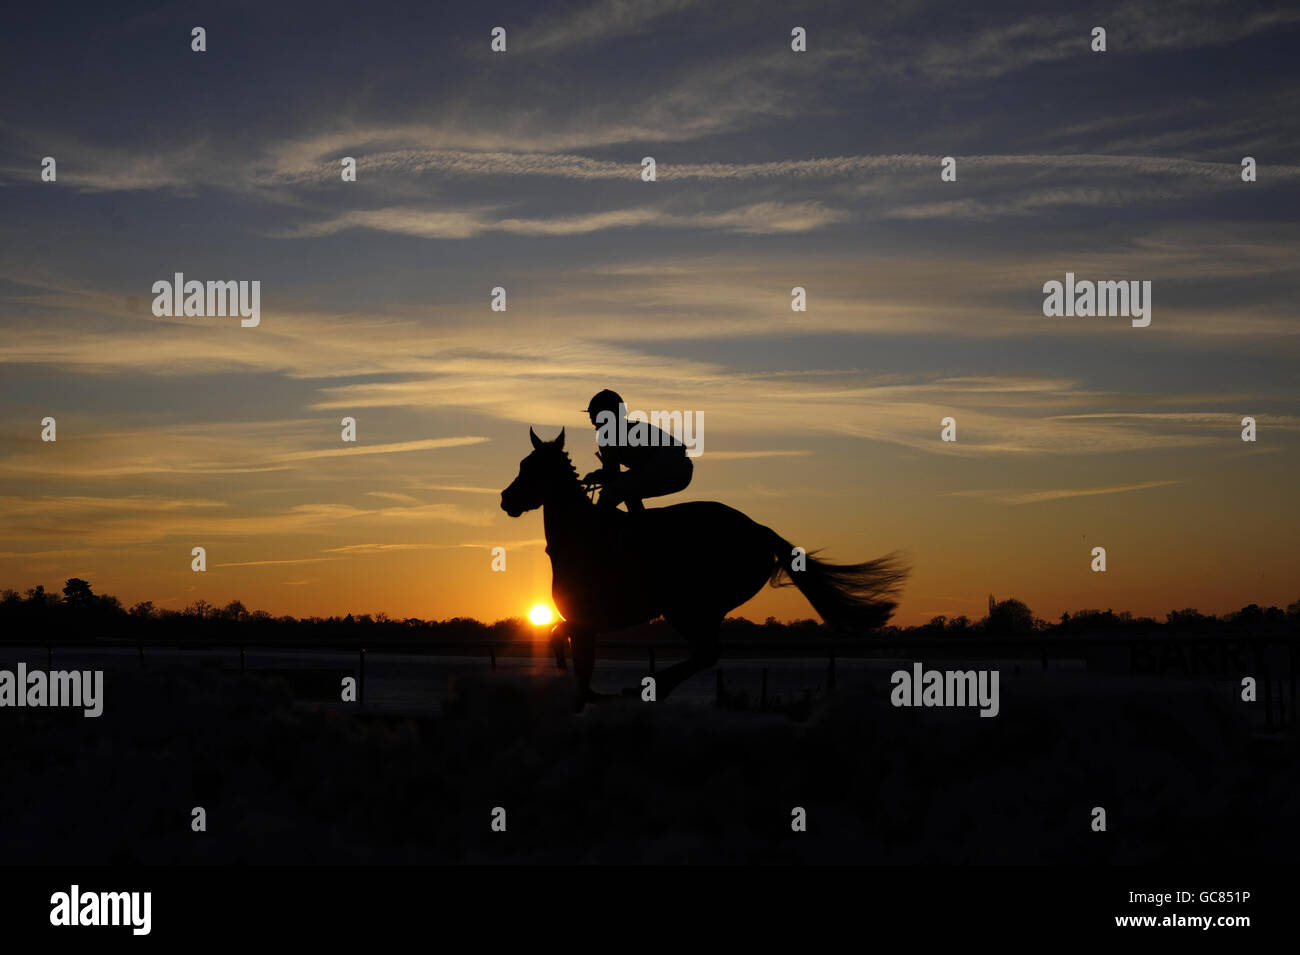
(79, 614)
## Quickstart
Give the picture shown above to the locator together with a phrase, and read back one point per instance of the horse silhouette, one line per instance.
(690, 563)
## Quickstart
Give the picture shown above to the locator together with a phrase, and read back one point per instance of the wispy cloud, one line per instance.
(1217, 420)
(398, 447)
(596, 23)
(747, 455)
(1026, 42)
(1052, 494)
(500, 163)
(268, 563)
(459, 488)
(759, 218)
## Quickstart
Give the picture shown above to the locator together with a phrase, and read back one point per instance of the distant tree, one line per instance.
(1248, 615)
(77, 593)
(144, 609)
(200, 608)
(1010, 616)
(807, 627)
(233, 611)
(1093, 620)
(1293, 610)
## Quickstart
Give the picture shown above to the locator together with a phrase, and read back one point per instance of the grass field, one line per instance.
(1182, 771)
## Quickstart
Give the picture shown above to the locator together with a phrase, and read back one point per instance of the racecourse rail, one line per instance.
(1267, 665)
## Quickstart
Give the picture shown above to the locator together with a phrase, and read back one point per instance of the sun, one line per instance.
(541, 615)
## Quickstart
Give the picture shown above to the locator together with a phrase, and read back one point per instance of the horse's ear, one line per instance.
(532, 435)
(560, 440)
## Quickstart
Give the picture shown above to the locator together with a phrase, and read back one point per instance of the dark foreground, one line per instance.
(1183, 772)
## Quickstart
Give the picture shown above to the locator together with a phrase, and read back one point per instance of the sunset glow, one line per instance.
(343, 450)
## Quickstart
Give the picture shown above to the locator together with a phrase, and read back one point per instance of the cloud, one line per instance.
(596, 23)
(747, 455)
(105, 527)
(458, 488)
(360, 549)
(393, 496)
(1214, 420)
(399, 447)
(267, 563)
(501, 164)
(195, 450)
(1052, 494)
(60, 554)
(759, 218)
(132, 503)
(1007, 47)
(376, 548)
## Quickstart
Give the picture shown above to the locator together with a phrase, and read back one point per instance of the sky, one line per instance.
(774, 169)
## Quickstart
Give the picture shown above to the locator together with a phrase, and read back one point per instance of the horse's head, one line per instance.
(537, 474)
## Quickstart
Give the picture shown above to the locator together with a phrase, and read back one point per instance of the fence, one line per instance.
(1272, 657)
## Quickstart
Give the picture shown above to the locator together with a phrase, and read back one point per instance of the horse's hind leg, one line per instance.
(702, 635)
(582, 644)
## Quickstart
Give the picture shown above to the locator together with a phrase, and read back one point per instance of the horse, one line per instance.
(690, 563)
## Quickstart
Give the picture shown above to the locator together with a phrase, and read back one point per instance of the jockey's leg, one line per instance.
(666, 476)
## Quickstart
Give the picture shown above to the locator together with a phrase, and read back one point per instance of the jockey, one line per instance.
(656, 462)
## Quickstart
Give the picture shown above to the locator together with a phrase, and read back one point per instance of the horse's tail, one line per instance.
(848, 596)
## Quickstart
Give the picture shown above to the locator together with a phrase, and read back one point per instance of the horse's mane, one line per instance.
(573, 471)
